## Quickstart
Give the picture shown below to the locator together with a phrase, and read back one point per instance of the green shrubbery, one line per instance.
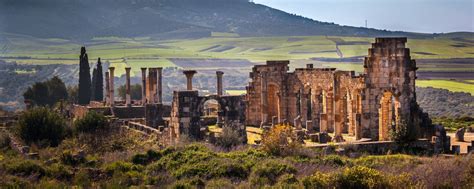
(269, 171)
(91, 123)
(41, 125)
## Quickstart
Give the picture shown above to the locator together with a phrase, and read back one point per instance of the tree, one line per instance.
(135, 92)
(37, 94)
(73, 92)
(84, 78)
(94, 80)
(99, 82)
(46, 93)
(56, 90)
(41, 125)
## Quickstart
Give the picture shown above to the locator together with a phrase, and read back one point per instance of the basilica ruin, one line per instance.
(327, 100)
(318, 102)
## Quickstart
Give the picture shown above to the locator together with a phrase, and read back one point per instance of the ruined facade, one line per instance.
(188, 109)
(326, 100)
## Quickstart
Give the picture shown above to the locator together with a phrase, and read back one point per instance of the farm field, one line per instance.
(438, 59)
(454, 86)
(30, 50)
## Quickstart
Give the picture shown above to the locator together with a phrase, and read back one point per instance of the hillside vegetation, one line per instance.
(84, 19)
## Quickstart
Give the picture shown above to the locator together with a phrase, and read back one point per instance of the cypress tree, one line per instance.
(99, 82)
(84, 78)
(94, 80)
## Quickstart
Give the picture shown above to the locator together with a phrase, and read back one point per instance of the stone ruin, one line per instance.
(326, 100)
(317, 101)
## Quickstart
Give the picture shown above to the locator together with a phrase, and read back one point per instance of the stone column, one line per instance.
(107, 89)
(152, 86)
(128, 99)
(189, 76)
(143, 86)
(263, 99)
(159, 86)
(112, 94)
(219, 83)
(338, 118)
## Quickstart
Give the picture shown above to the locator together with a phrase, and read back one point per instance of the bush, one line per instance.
(280, 140)
(318, 180)
(269, 171)
(229, 138)
(68, 158)
(361, 177)
(91, 123)
(41, 125)
(26, 168)
(144, 159)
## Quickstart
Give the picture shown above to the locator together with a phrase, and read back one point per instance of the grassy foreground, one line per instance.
(128, 159)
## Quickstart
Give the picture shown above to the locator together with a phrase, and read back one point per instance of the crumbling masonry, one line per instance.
(326, 100)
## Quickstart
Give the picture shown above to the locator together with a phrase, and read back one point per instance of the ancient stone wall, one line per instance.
(366, 106)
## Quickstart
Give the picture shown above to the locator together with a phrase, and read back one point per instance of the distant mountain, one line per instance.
(84, 19)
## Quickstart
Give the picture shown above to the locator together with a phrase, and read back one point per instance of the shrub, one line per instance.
(269, 171)
(68, 158)
(91, 123)
(361, 177)
(334, 160)
(26, 168)
(280, 141)
(121, 167)
(229, 138)
(318, 180)
(41, 125)
(144, 159)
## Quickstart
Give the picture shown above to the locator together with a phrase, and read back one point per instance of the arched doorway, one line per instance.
(210, 112)
(388, 115)
(273, 101)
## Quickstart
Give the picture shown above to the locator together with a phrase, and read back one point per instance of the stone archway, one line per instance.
(388, 115)
(273, 101)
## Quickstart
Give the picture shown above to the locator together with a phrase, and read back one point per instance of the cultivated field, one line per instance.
(438, 59)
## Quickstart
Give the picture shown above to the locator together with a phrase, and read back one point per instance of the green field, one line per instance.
(149, 52)
(454, 86)
(30, 50)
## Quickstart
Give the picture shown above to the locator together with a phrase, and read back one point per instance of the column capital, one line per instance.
(189, 72)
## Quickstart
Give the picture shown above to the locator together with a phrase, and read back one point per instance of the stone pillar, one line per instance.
(107, 89)
(151, 85)
(263, 99)
(112, 94)
(159, 86)
(143, 86)
(338, 117)
(219, 83)
(189, 76)
(128, 99)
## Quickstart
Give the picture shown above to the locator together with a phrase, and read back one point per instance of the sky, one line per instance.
(427, 16)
